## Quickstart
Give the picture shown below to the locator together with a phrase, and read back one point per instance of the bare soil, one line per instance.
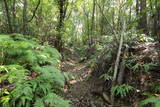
(79, 89)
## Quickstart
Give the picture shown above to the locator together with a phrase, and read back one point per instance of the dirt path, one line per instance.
(79, 90)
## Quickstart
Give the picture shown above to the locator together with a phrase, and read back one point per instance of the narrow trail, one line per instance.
(79, 89)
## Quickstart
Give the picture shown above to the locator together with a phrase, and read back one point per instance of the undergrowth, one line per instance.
(29, 74)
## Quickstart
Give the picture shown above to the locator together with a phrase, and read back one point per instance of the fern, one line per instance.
(122, 90)
(52, 74)
(38, 102)
(32, 70)
(155, 101)
(59, 102)
(106, 77)
(14, 73)
(145, 67)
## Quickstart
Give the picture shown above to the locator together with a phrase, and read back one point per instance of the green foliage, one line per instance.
(122, 90)
(106, 77)
(12, 73)
(155, 101)
(140, 38)
(156, 88)
(137, 66)
(110, 70)
(69, 76)
(29, 74)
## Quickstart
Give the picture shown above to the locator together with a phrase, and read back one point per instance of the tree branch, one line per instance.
(34, 12)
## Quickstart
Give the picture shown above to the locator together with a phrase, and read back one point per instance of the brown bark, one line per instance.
(143, 18)
(25, 17)
(141, 12)
(122, 68)
(8, 16)
(87, 23)
(157, 19)
(14, 16)
(62, 5)
(102, 19)
(92, 24)
(137, 7)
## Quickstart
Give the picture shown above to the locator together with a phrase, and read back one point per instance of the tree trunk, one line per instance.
(102, 19)
(8, 16)
(92, 24)
(157, 19)
(25, 17)
(121, 74)
(14, 16)
(143, 18)
(137, 14)
(137, 7)
(58, 43)
(62, 4)
(117, 62)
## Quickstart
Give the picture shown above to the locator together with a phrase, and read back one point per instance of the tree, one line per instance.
(8, 16)
(62, 6)
(25, 17)
(14, 15)
(143, 18)
(141, 11)
(157, 19)
(25, 14)
(93, 23)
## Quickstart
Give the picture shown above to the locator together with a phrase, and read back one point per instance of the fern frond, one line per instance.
(53, 100)
(38, 102)
(106, 77)
(20, 59)
(122, 90)
(155, 101)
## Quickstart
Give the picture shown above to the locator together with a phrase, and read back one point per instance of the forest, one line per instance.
(79, 53)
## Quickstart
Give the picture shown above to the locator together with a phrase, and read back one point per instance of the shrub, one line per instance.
(29, 74)
(122, 90)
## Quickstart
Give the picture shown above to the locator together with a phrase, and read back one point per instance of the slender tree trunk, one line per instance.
(143, 19)
(137, 14)
(150, 23)
(92, 24)
(102, 19)
(130, 15)
(14, 16)
(8, 16)
(62, 4)
(59, 28)
(157, 19)
(137, 7)
(24, 17)
(87, 23)
(121, 73)
(117, 65)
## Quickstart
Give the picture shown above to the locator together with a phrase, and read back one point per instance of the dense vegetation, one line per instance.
(43, 41)
(29, 73)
